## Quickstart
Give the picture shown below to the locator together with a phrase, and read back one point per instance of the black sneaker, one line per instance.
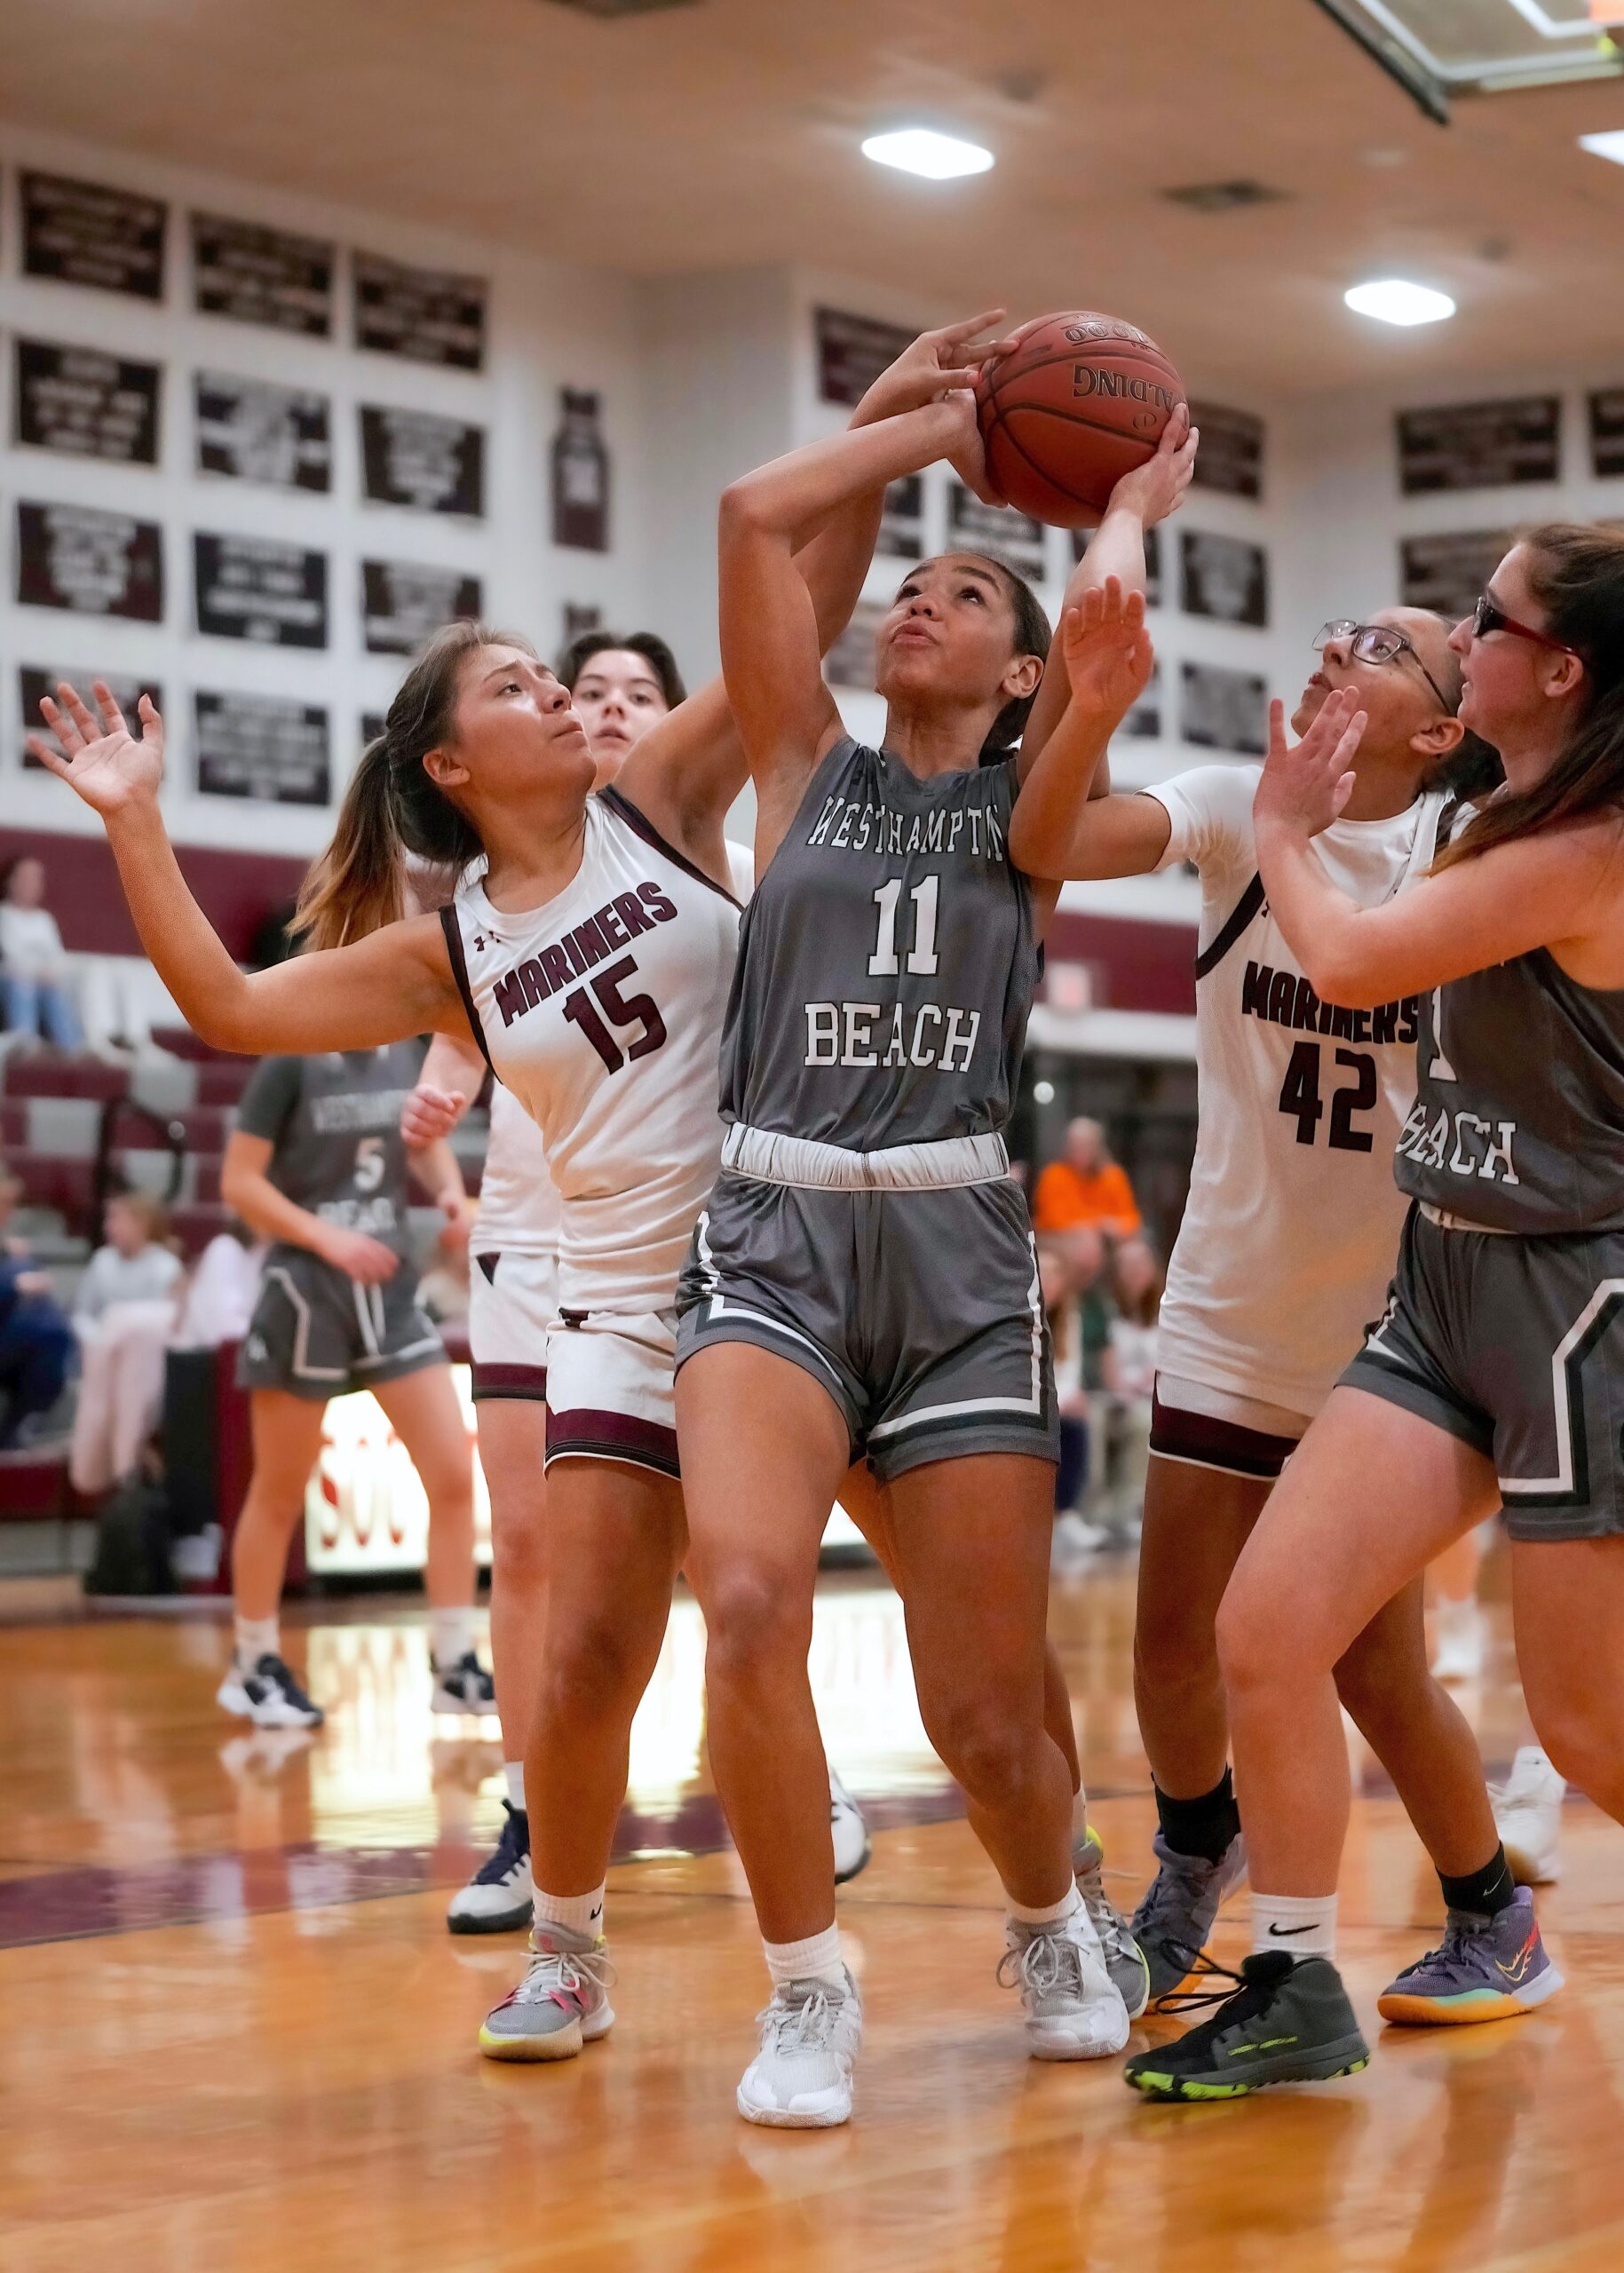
(497, 1898)
(1287, 2021)
(269, 1697)
(465, 1687)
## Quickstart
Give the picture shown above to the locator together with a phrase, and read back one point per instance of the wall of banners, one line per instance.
(252, 453)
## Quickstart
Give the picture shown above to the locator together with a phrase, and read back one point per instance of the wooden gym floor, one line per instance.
(235, 2036)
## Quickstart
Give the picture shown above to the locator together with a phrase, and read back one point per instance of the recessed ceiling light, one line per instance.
(1605, 145)
(1392, 299)
(919, 150)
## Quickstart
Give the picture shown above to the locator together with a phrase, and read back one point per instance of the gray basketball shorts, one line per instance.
(317, 1333)
(917, 1311)
(1516, 1347)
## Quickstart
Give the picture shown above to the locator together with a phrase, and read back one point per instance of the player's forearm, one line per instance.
(795, 493)
(208, 989)
(1049, 828)
(835, 562)
(1116, 549)
(451, 1068)
(270, 1212)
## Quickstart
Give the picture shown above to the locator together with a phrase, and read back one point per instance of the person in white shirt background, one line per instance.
(35, 992)
(123, 1314)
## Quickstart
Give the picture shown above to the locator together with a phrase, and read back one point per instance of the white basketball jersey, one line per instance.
(1292, 1228)
(519, 1201)
(601, 1012)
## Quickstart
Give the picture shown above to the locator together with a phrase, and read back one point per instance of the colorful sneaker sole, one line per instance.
(561, 2044)
(1323, 2069)
(1470, 2007)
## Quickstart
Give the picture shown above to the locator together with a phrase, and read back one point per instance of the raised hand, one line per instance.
(963, 450)
(1107, 650)
(1154, 490)
(934, 365)
(430, 1113)
(1303, 789)
(99, 757)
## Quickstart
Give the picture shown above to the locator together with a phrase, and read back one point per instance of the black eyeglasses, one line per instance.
(1489, 616)
(1378, 643)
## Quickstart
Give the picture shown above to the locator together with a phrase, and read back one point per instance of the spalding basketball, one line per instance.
(1080, 400)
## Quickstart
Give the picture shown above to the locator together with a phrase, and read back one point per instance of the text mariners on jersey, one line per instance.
(587, 943)
(1283, 998)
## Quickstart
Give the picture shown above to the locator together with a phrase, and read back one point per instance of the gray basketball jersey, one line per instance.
(887, 963)
(1518, 1121)
(334, 1121)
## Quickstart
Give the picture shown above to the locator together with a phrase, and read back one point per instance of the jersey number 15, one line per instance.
(620, 1011)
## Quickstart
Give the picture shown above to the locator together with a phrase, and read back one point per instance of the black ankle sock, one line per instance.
(1203, 1826)
(1486, 1892)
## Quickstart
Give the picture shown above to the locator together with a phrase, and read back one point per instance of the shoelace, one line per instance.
(563, 1973)
(1115, 1937)
(511, 1848)
(803, 2025)
(1461, 1929)
(1048, 1962)
(1198, 1967)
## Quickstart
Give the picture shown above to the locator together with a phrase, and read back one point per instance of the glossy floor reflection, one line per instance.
(234, 2034)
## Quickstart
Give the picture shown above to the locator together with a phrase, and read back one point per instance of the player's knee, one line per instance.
(986, 1747)
(1175, 1645)
(517, 1543)
(1246, 1639)
(754, 1628)
(590, 1672)
(1583, 1739)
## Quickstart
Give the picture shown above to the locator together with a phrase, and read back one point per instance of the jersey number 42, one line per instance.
(1300, 1097)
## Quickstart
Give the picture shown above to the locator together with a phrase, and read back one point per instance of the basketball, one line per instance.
(1081, 400)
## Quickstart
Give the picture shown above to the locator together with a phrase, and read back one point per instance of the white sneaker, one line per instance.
(465, 1687)
(269, 1696)
(801, 2079)
(1462, 1633)
(561, 2004)
(499, 1898)
(850, 1833)
(1074, 2010)
(1075, 1539)
(1528, 1818)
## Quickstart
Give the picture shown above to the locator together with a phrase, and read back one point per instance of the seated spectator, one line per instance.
(124, 1314)
(36, 1341)
(36, 991)
(1086, 1191)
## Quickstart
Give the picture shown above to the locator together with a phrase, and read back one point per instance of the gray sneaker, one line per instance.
(1125, 1961)
(801, 2079)
(562, 2002)
(1173, 1921)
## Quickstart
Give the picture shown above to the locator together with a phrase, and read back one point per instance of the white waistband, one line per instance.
(1445, 1221)
(831, 1168)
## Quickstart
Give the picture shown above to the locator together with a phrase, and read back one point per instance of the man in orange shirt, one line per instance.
(1086, 1191)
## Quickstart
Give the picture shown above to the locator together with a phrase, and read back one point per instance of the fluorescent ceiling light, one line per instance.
(1390, 299)
(918, 150)
(1605, 145)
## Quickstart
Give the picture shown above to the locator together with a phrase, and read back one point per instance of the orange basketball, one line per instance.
(1078, 402)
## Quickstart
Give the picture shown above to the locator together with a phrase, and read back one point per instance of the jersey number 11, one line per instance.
(921, 955)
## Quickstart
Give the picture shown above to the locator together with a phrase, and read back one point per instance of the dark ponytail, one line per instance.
(1032, 635)
(392, 807)
(1576, 572)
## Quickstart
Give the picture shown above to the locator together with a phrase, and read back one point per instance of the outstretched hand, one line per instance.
(1107, 650)
(430, 1113)
(935, 364)
(1303, 789)
(100, 758)
(1156, 489)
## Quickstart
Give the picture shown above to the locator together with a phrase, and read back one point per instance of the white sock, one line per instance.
(513, 1775)
(580, 1914)
(450, 1636)
(1056, 1913)
(815, 1959)
(1302, 1926)
(257, 1638)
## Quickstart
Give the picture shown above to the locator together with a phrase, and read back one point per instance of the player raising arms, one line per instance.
(1281, 1260)
(864, 1278)
(1496, 1373)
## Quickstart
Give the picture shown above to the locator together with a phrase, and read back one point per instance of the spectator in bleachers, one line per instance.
(36, 1341)
(1087, 1191)
(35, 987)
(124, 1315)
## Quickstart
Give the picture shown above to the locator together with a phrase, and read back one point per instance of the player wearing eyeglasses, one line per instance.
(1282, 1262)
